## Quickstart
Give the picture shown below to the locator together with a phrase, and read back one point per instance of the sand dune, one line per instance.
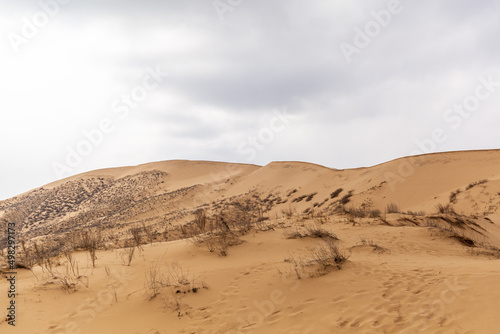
(257, 265)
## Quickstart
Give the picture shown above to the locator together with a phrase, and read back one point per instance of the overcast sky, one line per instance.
(89, 84)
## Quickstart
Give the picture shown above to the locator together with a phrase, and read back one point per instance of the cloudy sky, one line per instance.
(93, 84)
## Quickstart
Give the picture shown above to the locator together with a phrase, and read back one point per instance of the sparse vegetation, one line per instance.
(300, 198)
(149, 233)
(172, 276)
(321, 261)
(289, 212)
(355, 212)
(392, 208)
(336, 193)
(369, 242)
(462, 238)
(264, 225)
(43, 258)
(310, 197)
(136, 233)
(445, 209)
(41, 254)
(91, 240)
(71, 279)
(220, 222)
(328, 256)
(200, 219)
(223, 230)
(347, 198)
(473, 184)
(154, 280)
(127, 255)
(26, 260)
(453, 196)
(220, 242)
(310, 232)
(376, 213)
(360, 212)
(462, 229)
(486, 250)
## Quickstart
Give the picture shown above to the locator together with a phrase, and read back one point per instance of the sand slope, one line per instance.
(406, 273)
(421, 281)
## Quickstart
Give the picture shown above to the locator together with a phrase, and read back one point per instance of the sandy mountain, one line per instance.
(407, 246)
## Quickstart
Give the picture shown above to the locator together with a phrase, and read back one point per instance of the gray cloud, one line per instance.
(226, 78)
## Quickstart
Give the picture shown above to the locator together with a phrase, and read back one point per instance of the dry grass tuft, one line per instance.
(392, 208)
(174, 277)
(310, 232)
(321, 261)
(473, 184)
(446, 208)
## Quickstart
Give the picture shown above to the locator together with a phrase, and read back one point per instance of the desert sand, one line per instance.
(407, 246)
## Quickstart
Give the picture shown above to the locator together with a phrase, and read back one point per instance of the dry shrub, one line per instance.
(453, 196)
(355, 212)
(172, 276)
(296, 234)
(174, 304)
(71, 279)
(200, 219)
(222, 230)
(239, 216)
(464, 239)
(321, 261)
(220, 242)
(153, 280)
(26, 258)
(311, 232)
(149, 233)
(336, 193)
(43, 258)
(369, 242)
(296, 267)
(347, 198)
(264, 226)
(328, 256)
(91, 241)
(127, 255)
(38, 253)
(392, 208)
(136, 233)
(317, 232)
(446, 208)
(457, 229)
(289, 212)
(376, 213)
(473, 184)
(310, 197)
(485, 250)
